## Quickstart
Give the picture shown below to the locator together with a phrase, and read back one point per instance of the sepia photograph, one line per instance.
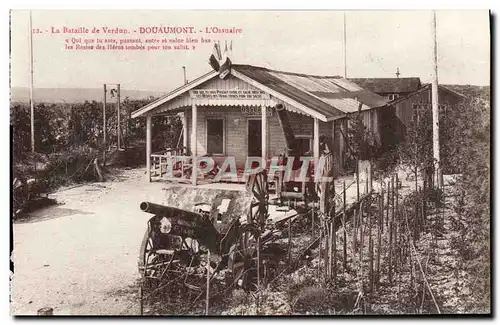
(250, 163)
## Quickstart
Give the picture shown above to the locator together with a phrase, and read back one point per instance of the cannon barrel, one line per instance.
(186, 223)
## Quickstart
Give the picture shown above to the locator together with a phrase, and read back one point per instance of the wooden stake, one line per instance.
(379, 236)
(370, 253)
(366, 185)
(104, 123)
(312, 221)
(118, 117)
(319, 251)
(207, 302)
(354, 239)
(258, 263)
(361, 241)
(327, 255)
(388, 203)
(391, 229)
(289, 240)
(381, 207)
(345, 230)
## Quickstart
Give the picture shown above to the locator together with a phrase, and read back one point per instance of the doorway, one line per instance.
(254, 138)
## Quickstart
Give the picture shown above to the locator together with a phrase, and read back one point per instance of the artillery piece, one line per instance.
(229, 229)
(227, 232)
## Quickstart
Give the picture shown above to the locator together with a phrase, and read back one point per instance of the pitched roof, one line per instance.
(426, 87)
(389, 85)
(329, 95)
(326, 97)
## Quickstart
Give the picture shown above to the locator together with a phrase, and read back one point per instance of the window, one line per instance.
(215, 136)
(392, 96)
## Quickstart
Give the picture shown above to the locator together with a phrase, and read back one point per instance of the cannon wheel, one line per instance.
(244, 259)
(257, 184)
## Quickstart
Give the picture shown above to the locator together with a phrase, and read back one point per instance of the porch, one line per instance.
(233, 116)
(227, 139)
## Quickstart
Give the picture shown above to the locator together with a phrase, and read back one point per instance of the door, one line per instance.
(254, 138)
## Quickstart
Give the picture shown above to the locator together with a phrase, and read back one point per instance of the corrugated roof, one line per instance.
(389, 85)
(329, 95)
(426, 87)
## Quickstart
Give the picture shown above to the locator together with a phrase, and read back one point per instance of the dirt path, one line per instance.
(80, 257)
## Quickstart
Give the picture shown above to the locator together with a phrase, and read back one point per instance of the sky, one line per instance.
(311, 42)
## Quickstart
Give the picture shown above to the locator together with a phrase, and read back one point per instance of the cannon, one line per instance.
(228, 226)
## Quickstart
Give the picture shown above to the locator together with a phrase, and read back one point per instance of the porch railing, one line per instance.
(172, 164)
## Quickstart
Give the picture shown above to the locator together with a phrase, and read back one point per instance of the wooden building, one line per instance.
(390, 88)
(235, 116)
(405, 107)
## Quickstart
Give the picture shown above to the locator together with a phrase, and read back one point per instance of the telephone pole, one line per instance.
(104, 126)
(32, 105)
(435, 105)
(345, 48)
(119, 131)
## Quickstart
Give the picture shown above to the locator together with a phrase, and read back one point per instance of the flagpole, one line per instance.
(32, 107)
(345, 48)
(435, 104)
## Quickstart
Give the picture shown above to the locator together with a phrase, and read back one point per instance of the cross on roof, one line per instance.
(397, 73)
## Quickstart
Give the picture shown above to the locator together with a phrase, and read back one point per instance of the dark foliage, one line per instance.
(362, 144)
(472, 156)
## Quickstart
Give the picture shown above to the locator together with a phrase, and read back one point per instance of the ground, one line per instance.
(80, 257)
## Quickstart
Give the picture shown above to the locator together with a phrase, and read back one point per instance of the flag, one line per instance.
(225, 66)
(214, 58)
(221, 62)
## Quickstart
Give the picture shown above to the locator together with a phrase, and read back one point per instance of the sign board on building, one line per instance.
(228, 94)
(254, 110)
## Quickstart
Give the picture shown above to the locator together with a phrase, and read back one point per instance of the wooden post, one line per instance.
(435, 105)
(148, 147)
(391, 230)
(32, 103)
(381, 206)
(327, 255)
(379, 235)
(370, 253)
(388, 203)
(118, 118)
(316, 150)
(290, 240)
(333, 235)
(264, 133)
(399, 224)
(345, 230)
(258, 263)
(319, 252)
(361, 239)
(104, 135)
(184, 130)
(207, 302)
(354, 239)
(357, 180)
(334, 249)
(194, 149)
(312, 220)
